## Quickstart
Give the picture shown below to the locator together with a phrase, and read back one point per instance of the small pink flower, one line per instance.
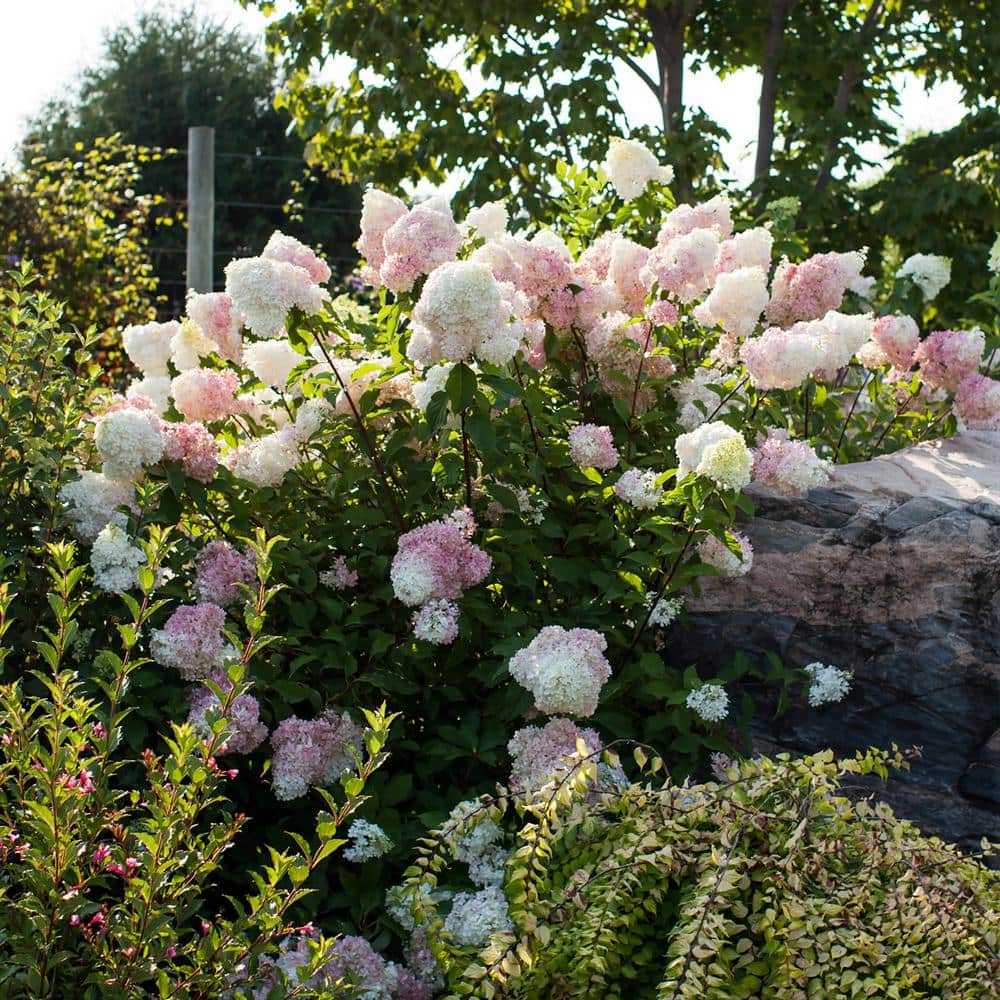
(170, 952)
(205, 928)
(99, 731)
(101, 854)
(74, 921)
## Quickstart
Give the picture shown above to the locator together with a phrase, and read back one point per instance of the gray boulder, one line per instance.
(892, 572)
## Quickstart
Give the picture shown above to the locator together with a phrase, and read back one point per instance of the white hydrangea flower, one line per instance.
(489, 221)
(189, 345)
(710, 702)
(828, 683)
(368, 841)
(476, 917)
(272, 361)
(156, 388)
(665, 611)
(717, 451)
(264, 290)
(148, 346)
(994, 259)
(433, 382)
(630, 166)
(718, 555)
(638, 488)
(115, 561)
(90, 502)
(736, 301)
(930, 272)
(127, 440)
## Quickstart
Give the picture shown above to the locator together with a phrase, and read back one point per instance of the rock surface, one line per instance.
(892, 572)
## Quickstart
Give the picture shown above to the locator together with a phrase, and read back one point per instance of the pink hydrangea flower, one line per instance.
(592, 447)
(417, 243)
(781, 359)
(713, 214)
(339, 577)
(312, 752)
(977, 402)
(947, 357)
(789, 467)
(628, 275)
(244, 730)
(593, 264)
(661, 313)
(379, 210)
(203, 394)
(436, 561)
(220, 567)
(191, 641)
(898, 338)
(437, 622)
(536, 751)
(811, 289)
(290, 250)
(220, 320)
(684, 265)
(193, 446)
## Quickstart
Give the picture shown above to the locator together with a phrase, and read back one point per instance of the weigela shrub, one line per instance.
(765, 883)
(110, 893)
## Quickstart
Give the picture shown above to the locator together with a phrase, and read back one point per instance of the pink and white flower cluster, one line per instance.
(593, 447)
(312, 752)
(244, 731)
(537, 751)
(786, 466)
(192, 641)
(564, 669)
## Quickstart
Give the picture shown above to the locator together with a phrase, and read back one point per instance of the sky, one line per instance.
(46, 43)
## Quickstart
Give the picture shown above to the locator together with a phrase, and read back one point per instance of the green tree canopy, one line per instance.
(173, 69)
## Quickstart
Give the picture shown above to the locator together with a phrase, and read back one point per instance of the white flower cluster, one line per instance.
(433, 382)
(148, 346)
(690, 392)
(665, 611)
(264, 290)
(127, 440)
(115, 560)
(717, 554)
(716, 451)
(476, 917)
(930, 272)
(156, 388)
(709, 702)
(993, 263)
(489, 221)
(479, 847)
(272, 361)
(189, 345)
(91, 501)
(564, 669)
(436, 622)
(630, 166)
(736, 301)
(638, 488)
(368, 841)
(462, 313)
(264, 461)
(828, 683)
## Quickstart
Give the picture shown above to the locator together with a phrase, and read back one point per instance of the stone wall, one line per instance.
(892, 572)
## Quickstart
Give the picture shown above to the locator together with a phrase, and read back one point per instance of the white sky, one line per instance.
(45, 43)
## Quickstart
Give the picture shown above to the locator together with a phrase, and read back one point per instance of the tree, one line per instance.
(170, 70)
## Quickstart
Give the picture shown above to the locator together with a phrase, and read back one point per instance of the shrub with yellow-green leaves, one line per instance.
(767, 883)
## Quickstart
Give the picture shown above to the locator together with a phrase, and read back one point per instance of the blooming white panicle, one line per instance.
(628, 276)
(368, 841)
(418, 242)
(592, 447)
(685, 265)
(736, 301)
(264, 461)
(219, 320)
(781, 359)
(718, 555)
(90, 502)
(727, 463)
(630, 166)
(863, 287)
(461, 313)
(148, 346)
(828, 683)
(993, 263)
(929, 272)
(476, 917)
(714, 214)
(531, 506)
(489, 221)
(690, 392)
(638, 488)
(379, 210)
(309, 418)
(272, 361)
(710, 702)
(115, 560)
(433, 382)
(489, 867)
(665, 610)
(127, 439)
(840, 338)
(437, 622)
(189, 345)
(155, 388)
(564, 670)
(751, 248)
(264, 291)
(691, 447)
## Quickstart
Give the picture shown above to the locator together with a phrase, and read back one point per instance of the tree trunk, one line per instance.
(853, 73)
(780, 9)
(667, 22)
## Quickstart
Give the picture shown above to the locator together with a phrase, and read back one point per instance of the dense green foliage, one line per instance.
(112, 893)
(78, 218)
(767, 883)
(175, 68)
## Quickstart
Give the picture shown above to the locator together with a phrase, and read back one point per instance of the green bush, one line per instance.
(107, 893)
(768, 883)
